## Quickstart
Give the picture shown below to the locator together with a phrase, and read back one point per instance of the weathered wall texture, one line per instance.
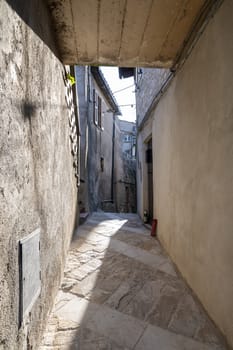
(148, 85)
(126, 196)
(100, 145)
(37, 183)
(125, 164)
(132, 33)
(96, 143)
(81, 77)
(193, 169)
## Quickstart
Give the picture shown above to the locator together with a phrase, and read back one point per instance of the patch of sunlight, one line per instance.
(113, 222)
(73, 310)
(109, 227)
(78, 306)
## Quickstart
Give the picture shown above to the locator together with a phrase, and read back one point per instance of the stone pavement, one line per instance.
(121, 292)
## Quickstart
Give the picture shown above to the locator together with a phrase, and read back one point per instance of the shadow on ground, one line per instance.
(121, 291)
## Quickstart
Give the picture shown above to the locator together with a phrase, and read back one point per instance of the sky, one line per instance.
(125, 97)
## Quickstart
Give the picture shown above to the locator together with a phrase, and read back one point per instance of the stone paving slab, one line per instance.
(121, 328)
(121, 292)
(158, 338)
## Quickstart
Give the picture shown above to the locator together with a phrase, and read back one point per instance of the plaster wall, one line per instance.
(37, 183)
(193, 169)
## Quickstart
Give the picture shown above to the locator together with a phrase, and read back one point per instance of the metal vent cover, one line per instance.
(29, 272)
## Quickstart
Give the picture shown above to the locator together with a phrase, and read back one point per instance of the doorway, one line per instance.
(149, 161)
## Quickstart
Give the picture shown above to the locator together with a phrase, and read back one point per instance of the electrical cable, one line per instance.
(123, 89)
(131, 105)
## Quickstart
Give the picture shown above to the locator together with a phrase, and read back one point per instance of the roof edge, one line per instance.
(103, 84)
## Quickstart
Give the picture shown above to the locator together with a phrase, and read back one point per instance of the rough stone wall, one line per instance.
(148, 85)
(37, 183)
(83, 97)
(193, 171)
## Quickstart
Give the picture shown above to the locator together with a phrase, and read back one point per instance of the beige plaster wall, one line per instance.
(193, 169)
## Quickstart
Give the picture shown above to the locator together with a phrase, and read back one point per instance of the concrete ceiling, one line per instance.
(124, 32)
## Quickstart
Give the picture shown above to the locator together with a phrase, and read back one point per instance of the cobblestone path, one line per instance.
(121, 292)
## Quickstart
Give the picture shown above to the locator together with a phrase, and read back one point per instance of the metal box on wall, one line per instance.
(29, 272)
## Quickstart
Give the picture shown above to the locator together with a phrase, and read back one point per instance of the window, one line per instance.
(86, 83)
(134, 151)
(127, 138)
(99, 112)
(102, 164)
(97, 109)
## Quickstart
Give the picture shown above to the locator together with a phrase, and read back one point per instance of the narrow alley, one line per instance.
(116, 116)
(121, 291)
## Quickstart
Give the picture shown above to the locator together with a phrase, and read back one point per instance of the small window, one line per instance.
(86, 83)
(134, 151)
(95, 107)
(102, 164)
(99, 112)
(127, 138)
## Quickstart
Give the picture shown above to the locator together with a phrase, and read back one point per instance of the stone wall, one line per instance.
(148, 85)
(37, 183)
(81, 76)
(193, 172)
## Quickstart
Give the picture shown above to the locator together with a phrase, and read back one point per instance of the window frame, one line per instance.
(99, 111)
(95, 107)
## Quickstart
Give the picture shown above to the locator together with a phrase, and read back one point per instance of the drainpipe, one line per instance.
(113, 156)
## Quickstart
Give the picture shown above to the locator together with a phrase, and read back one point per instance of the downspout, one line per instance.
(88, 137)
(113, 156)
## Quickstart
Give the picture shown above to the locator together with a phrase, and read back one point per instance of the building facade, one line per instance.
(126, 172)
(99, 155)
(128, 138)
(184, 163)
(185, 132)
